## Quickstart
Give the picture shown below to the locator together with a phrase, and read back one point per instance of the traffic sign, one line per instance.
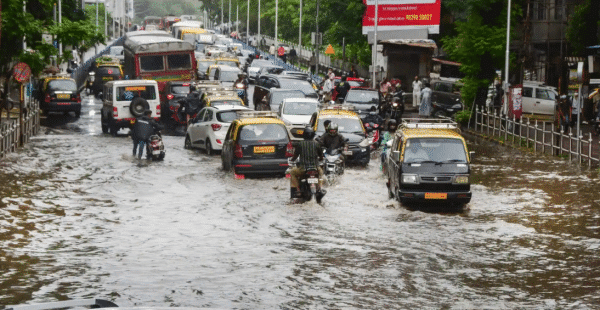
(329, 50)
(21, 72)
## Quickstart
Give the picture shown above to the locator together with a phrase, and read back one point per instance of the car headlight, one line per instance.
(364, 143)
(461, 179)
(457, 106)
(410, 178)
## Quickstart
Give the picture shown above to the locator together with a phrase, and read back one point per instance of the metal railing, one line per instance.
(13, 135)
(80, 74)
(541, 136)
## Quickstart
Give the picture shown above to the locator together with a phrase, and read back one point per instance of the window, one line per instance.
(179, 61)
(227, 117)
(62, 84)
(200, 116)
(539, 10)
(263, 133)
(559, 7)
(151, 63)
(544, 94)
(208, 116)
(430, 149)
(127, 93)
(528, 92)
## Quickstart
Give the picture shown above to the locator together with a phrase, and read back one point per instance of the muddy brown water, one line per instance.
(81, 218)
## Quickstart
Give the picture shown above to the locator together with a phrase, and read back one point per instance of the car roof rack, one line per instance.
(255, 114)
(94, 303)
(345, 107)
(429, 123)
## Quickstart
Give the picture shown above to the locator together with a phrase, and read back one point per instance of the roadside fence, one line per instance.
(13, 135)
(540, 136)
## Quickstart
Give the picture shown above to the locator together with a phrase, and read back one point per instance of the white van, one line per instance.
(120, 103)
(539, 98)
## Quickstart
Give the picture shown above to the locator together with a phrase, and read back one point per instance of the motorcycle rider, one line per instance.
(332, 139)
(243, 79)
(310, 155)
(144, 127)
(190, 105)
(387, 136)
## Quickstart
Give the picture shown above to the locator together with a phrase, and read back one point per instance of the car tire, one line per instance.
(188, 143)
(78, 113)
(104, 125)
(440, 114)
(390, 192)
(209, 149)
(138, 106)
(113, 130)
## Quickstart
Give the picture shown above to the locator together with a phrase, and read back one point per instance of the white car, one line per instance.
(539, 98)
(296, 114)
(208, 130)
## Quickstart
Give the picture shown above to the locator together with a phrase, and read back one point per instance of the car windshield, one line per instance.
(227, 116)
(225, 102)
(230, 63)
(67, 85)
(361, 96)
(301, 85)
(355, 83)
(434, 150)
(180, 89)
(300, 108)
(127, 93)
(345, 124)
(263, 133)
(443, 87)
(277, 97)
(228, 76)
(260, 63)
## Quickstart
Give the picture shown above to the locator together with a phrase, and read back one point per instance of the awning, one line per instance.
(425, 43)
(446, 62)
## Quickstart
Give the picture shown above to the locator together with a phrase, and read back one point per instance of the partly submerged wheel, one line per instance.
(209, 149)
(188, 143)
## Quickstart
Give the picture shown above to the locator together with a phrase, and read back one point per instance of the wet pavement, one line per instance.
(81, 218)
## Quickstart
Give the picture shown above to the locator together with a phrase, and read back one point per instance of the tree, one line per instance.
(583, 27)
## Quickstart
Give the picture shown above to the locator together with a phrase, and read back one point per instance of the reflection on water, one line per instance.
(80, 217)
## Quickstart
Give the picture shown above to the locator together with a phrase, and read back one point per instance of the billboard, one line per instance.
(402, 15)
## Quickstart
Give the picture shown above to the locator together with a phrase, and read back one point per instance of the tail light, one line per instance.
(47, 99)
(169, 96)
(238, 151)
(367, 125)
(158, 109)
(289, 150)
(375, 136)
(115, 112)
(216, 127)
(76, 98)
(375, 125)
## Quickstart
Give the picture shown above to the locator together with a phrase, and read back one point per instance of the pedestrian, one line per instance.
(263, 43)
(425, 106)
(293, 55)
(384, 87)
(353, 72)
(330, 74)
(416, 92)
(313, 63)
(327, 89)
(272, 49)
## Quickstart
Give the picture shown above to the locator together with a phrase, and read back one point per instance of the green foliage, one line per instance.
(162, 8)
(462, 117)
(582, 30)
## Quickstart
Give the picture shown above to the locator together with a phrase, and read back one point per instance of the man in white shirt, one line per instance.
(327, 89)
(416, 91)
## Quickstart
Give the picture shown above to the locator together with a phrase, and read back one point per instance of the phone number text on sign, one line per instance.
(420, 17)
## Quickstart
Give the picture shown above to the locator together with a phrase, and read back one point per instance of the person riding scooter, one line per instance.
(310, 155)
(144, 127)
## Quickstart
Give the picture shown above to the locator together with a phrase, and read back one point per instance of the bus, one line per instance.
(159, 58)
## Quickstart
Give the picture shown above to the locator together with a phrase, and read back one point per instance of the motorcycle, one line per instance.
(155, 148)
(309, 183)
(333, 163)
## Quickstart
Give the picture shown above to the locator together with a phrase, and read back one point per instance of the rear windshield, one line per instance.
(225, 102)
(362, 96)
(108, 71)
(300, 108)
(438, 150)
(179, 61)
(228, 76)
(203, 65)
(277, 97)
(301, 85)
(230, 63)
(180, 89)
(127, 93)
(226, 117)
(62, 85)
(263, 133)
(355, 83)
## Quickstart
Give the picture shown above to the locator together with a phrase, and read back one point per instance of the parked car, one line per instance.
(539, 99)
(208, 129)
(257, 144)
(58, 93)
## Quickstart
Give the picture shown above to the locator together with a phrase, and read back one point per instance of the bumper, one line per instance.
(359, 156)
(260, 166)
(61, 106)
(419, 196)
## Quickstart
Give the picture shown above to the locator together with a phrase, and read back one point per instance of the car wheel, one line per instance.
(113, 130)
(104, 125)
(188, 143)
(78, 113)
(390, 192)
(225, 164)
(440, 114)
(209, 149)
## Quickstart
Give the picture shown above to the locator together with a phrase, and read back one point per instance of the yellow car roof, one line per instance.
(260, 120)
(227, 59)
(430, 133)
(212, 98)
(334, 112)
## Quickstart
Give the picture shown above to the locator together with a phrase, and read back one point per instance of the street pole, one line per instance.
(506, 61)
(222, 13)
(105, 21)
(317, 39)
(276, 17)
(229, 19)
(300, 28)
(258, 32)
(24, 41)
(248, 23)
(96, 15)
(60, 51)
(374, 77)
(237, 19)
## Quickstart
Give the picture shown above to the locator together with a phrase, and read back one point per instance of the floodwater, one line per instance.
(81, 218)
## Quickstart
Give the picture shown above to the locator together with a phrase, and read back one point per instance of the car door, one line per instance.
(528, 99)
(394, 165)
(204, 126)
(195, 128)
(545, 101)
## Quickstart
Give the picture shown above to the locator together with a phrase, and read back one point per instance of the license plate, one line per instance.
(63, 96)
(132, 121)
(347, 152)
(155, 152)
(313, 181)
(264, 149)
(436, 195)
(299, 132)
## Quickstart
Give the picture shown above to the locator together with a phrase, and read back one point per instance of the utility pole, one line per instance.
(237, 19)
(300, 28)
(222, 13)
(24, 41)
(276, 17)
(248, 23)
(258, 32)
(229, 19)
(105, 20)
(317, 39)
(506, 59)
(374, 77)
(60, 51)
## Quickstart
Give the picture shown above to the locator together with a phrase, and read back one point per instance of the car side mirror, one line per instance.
(389, 143)
(395, 155)
(471, 155)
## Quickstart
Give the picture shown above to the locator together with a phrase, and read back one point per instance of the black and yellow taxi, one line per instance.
(228, 61)
(58, 93)
(217, 99)
(106, 69)
(428, 161)
(350, 126)
(257, 143)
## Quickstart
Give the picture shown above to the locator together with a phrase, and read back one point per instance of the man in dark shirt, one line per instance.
(144, 127)
(342, 89)
(310, 155)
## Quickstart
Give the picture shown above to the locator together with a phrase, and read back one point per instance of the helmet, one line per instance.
(392, 125)
(147, 112)
(332, 129)
(344, 77)
(308, 134)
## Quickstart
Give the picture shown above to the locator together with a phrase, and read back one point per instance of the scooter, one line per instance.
(155, 148)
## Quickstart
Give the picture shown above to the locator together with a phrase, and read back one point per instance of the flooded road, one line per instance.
(81, 218)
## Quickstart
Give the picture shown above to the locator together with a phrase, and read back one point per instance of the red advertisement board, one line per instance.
(402, 14)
